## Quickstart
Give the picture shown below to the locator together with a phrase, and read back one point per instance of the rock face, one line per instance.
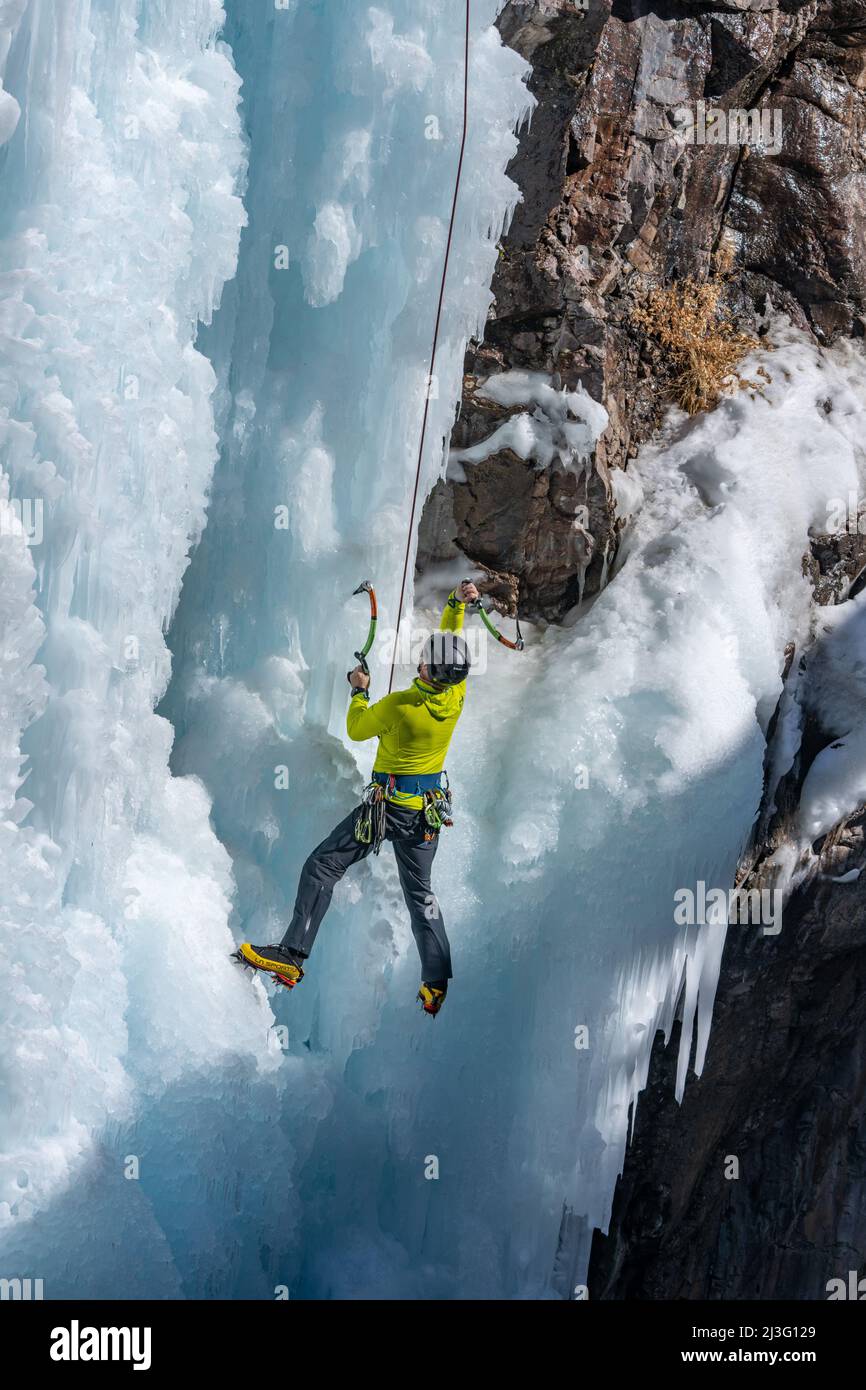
(783, 1086)
(630, 180)
(782, 1092)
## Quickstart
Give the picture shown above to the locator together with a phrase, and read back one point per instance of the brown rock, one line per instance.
(613, 201)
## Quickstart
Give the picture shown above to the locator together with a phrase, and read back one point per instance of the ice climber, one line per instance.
(406, 803)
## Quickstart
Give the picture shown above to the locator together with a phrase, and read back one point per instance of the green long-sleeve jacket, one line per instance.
(413, 726)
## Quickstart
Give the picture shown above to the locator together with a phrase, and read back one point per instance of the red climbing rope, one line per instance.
(435, 344)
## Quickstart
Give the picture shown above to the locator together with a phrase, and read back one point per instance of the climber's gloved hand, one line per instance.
(467, 592)
(358, 679)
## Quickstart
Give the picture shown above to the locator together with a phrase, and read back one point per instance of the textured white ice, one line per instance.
(614, 761)
(127, 1035)
(120, 222)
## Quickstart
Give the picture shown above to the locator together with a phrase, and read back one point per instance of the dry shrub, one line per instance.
(703, 345)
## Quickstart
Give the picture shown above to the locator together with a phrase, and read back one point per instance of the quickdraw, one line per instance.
(361, 656)
(370, 823)
(477, 606)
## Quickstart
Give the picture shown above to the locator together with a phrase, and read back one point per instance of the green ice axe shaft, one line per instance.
(361, 656)
(478, 607)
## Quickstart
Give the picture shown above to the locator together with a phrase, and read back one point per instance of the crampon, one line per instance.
(272, 960)
(432, 997)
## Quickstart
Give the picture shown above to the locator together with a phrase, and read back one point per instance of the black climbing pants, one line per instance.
(330, 860)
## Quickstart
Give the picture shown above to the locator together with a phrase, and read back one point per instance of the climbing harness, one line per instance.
(371, 820)
(361, 656)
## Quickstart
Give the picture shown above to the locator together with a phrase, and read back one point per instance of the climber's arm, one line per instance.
(364, 720)
(455, 608)
(452, 614)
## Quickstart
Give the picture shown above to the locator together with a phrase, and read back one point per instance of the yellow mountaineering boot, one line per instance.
(431, 997)
(278, 961)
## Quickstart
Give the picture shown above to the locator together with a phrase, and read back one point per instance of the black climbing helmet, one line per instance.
(446, 657)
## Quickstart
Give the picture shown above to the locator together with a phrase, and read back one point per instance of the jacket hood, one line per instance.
(442, 704)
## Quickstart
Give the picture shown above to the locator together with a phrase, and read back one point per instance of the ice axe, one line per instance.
(361, 656)
(477, 606)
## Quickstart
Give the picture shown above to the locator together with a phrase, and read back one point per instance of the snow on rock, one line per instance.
(835, 694)
(563, 425)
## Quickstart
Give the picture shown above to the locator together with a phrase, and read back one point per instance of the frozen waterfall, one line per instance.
(221, 238)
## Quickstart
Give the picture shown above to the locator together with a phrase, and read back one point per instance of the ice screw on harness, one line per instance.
(477, 606)
(361, 656)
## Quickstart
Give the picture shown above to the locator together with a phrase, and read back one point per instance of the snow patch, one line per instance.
(563, 425)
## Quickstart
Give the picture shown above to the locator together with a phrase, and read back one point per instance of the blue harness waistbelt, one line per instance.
(413, 782)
